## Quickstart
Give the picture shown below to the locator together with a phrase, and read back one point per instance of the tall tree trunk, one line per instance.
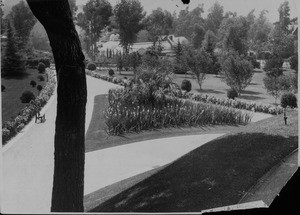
(68, 183)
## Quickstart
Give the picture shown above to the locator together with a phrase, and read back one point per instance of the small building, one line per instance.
(168, 42)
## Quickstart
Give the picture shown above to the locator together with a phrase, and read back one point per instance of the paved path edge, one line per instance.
(15, 139)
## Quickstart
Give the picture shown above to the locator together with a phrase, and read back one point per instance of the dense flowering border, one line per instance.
(234, 103)
(124, 116)
(12, 127)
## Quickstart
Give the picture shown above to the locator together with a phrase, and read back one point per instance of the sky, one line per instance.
(242, 7)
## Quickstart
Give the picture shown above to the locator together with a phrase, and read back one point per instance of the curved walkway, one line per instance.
(28, 162)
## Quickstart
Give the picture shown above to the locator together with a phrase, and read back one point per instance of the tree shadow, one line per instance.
(210, 91)
(21, 76)
(250, 92)
(213, 175)
(248, 97)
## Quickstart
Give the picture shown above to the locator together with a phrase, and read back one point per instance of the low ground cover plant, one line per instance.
(129, 111)
(11, 127)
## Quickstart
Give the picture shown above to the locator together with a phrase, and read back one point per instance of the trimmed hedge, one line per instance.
(11, 127)
(27, 96)
(91, 66)
(186, 85)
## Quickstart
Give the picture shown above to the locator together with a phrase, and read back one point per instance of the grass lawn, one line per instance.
(15, 86)
(213, 85)
(96, 137)
(213, 175)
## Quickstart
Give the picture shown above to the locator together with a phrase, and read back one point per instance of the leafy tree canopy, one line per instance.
(129, 15)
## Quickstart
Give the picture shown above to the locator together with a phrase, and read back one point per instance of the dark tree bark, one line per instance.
(68, 184)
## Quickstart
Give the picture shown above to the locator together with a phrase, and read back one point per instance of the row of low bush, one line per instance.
(234, 103)
(112, 79)
(11, 127)
(125, 114)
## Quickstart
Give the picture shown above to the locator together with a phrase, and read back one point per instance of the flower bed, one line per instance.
(234, 103)
(123, 116)
(11, 127)
(114, 80)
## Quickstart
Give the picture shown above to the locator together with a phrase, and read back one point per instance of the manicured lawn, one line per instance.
(96, 137)
(15, 86)
(213, 175)
(213, 85)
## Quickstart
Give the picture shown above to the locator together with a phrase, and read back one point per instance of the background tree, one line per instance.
(180, 66)
(233, 34)
(23, 21)
(186, 21)
(93, 19)
(215, 17)
(129, 15)
(2, 21)
(199, 63)
(73, 8)
(259, 33)
(13, 61)
(158, 23)
(143, 36)
(273, 86)
(237, 72)
(209, 45)
(284, 17)
(68, 182)
(198, 36)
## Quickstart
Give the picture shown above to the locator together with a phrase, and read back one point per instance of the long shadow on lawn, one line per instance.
(210, 91)
(213, 175)
(21, 76)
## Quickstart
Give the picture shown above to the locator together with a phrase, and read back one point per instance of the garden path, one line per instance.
(27, 162)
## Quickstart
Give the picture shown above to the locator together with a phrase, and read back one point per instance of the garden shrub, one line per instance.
(186, 85)
(232, 94)
(274, 62)
(288, 99)
(27, 96)
(41, 67)
(275, 72)
(294, 62)
(32, 83)
(39, 88)
(45, 61)
(41, 78)
(3, 88)
(253, 61)
(179, 69)
(91, 66)
(111, 72)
